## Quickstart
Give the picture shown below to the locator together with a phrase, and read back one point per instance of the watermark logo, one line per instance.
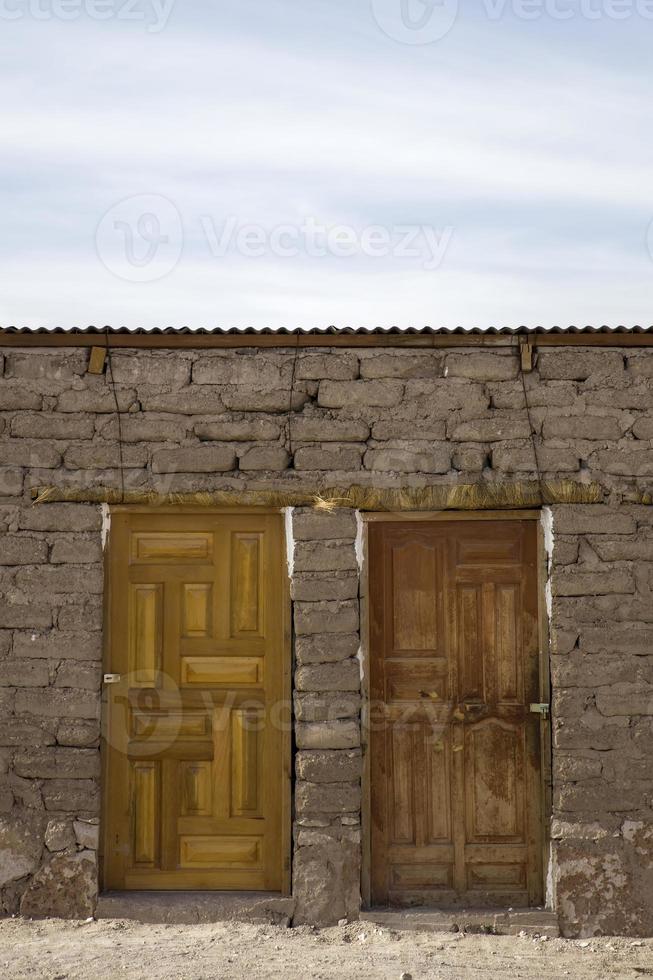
(140, 239)
(425, 21)
(153, 14)
(415, 21)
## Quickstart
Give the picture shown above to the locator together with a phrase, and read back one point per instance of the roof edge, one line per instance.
(431, 337)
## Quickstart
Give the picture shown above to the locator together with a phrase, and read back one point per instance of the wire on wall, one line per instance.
(110, 379)
(290, 398)
(531, 429)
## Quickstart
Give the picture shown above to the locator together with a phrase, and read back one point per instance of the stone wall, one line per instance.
(312, 419)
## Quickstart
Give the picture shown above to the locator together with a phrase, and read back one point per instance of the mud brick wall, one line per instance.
(234, 420)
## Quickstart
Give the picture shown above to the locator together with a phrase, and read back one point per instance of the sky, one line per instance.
(302, 163)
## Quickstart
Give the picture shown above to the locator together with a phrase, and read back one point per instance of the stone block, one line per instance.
(591, 519)
(325, 556)
(335, 766)
(246, 399)
(570, 582)
(323, 428)
(101, 455)
(66, 888)
(328, 735)
(35, 453)
(21, 845)
(625, 699)
(331, 365)
(59, 835)
(578, 364)
(11, 482)
(84, 676)
(522, 460)
(31, 615)
(643, 428)
(16, 397)
(326, 647)
(20, 549)
(326, 883)
(341, 676)
(482, 366)
(59, 645)
(144, 427)
(431, 430)
(87, 834)
(98, 399)
(326, 617)
(50, 762)
(582, 427)
(315, 586)
(58, 703)
(640, 364)
(246, 430)
(496, 429)
(327, 797)
(79, 734)
(264, 458)
(39, 363)
(330, 456)
(196, 459)
(160, 368)
(638, 548)
(70, 795)
(311, 706)
(61, 579)
(637, 462)
(405, 461)
(47, 425)
(76, 550)
(360, 394)
(312, 524)
(398, 364)
(256, 370)
(470, 459)
(17, 672)
(61, 517)
(81, 616)
(194, 400)
(627, 641)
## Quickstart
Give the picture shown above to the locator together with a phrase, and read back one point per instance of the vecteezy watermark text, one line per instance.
(154, 14)
(316, 240)
(141, 239)
(426, 21)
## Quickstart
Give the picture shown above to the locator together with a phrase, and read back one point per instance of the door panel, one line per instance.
(196, 776)
(455, 752)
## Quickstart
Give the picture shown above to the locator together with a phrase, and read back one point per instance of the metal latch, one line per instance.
(541, 709)
(111, 678)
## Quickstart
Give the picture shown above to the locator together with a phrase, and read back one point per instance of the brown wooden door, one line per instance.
(455, 750)
(196, 784)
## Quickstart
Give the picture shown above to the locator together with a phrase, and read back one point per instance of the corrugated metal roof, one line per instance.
(332, 331)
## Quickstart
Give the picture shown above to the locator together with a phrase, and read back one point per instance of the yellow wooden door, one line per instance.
(455, 749)
(197, 720)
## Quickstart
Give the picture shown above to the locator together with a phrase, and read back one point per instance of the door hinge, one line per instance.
(111, 679)
(542, 708)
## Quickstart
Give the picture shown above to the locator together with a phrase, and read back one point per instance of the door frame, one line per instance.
(545, 676)
(286, 618)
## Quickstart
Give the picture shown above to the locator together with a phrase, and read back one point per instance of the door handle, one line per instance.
(111, 678)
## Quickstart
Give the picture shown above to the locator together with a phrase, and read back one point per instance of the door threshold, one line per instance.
(191, 907)
(500, 922)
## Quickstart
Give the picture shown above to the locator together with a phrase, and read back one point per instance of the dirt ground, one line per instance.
(54, 950)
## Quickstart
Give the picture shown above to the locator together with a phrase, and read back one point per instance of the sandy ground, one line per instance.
(52, 950)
